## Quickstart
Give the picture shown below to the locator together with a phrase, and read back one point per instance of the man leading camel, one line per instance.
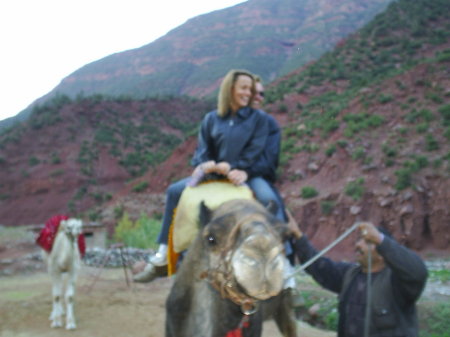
(398, 278)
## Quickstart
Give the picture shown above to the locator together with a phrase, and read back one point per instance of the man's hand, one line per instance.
(370, 233)
(237, 177)
(293, 228)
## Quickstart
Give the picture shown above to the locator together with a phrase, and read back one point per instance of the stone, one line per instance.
(354, 210)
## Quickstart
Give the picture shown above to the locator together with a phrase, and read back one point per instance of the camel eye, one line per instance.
(211, 240)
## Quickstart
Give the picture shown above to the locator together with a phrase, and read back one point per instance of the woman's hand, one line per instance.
(222, 168)
(205, 168)
(208, 166)
(237, 177)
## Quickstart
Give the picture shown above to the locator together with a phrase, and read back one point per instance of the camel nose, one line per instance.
(258, 265)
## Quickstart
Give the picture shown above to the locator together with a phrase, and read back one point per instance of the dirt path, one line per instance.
(109, 308)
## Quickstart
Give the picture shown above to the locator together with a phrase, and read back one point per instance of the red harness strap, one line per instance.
(238, 331)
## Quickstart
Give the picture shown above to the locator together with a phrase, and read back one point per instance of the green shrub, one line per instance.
(441, 275)
(330, 150)
(445, 112)
(403, 130)
(361, 121)
(310, 147)
(385, 98)
(118, 211)
(56, 173)
(435, 98)
(420, 162)
(327, 206)
(309, 192)
(283, 107)
(33, 161)
(443, 56)
(140, 187)
(139, 234)
(422, 127)
(423, 115)
(403, 178)
(342, 143)
(355, 189)
(434, 320)
(389, 162)
(447, 133)
(388, 150)
(431, 144)
(55, 159)
(359, 153)
(329, 126)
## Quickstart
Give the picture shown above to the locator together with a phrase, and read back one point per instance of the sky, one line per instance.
(44, 41)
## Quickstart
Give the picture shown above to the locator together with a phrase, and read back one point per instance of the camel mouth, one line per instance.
(259, 275)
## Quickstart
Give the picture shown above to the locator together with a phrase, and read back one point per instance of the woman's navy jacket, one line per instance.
(238, 139)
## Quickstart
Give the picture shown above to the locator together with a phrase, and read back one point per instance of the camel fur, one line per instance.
(232, 270)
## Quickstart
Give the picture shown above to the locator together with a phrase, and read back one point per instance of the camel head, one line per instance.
(72, 227)
(243, 241)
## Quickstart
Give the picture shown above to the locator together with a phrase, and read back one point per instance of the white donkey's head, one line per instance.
(72, 227)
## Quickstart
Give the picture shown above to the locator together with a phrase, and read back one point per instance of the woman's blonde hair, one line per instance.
(226, 89)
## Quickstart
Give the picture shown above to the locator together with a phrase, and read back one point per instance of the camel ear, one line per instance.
(205, 214)
(272, 207)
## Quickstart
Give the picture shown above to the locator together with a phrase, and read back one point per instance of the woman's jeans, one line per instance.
(173, 195)
(264, 192)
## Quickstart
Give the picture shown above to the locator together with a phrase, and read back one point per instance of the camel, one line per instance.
(64, 260)
(230, 274)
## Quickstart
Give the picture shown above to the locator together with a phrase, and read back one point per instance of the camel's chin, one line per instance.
(261, 289)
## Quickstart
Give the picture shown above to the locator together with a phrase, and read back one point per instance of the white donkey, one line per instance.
(64, 260)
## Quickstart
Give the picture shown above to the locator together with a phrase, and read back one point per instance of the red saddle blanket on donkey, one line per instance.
(48, 234)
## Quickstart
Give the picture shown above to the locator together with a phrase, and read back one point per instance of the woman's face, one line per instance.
(241, 92)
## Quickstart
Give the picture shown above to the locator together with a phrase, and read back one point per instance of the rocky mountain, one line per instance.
(267, 37)
(366, 135)
(74, 155)
(367, 130)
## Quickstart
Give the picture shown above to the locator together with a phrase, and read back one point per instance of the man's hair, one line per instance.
(226, 89)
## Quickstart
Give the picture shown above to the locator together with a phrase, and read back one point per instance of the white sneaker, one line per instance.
(160, 258)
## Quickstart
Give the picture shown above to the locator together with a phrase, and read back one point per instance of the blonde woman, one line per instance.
(230, 140)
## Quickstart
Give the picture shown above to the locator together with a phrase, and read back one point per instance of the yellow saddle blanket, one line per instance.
(213, 193)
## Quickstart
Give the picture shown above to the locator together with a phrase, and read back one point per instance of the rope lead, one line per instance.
(325, 250)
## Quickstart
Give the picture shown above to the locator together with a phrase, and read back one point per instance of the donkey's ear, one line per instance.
(272, 207)
(205, 214)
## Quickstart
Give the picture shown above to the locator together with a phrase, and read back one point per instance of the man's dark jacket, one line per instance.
(395, 289)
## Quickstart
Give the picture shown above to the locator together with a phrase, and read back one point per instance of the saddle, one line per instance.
(185, 224)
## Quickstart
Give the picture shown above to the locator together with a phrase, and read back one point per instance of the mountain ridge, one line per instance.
(366, 136)
(259, 35)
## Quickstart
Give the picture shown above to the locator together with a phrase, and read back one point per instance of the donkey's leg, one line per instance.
(57, 310)
(69, 298)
